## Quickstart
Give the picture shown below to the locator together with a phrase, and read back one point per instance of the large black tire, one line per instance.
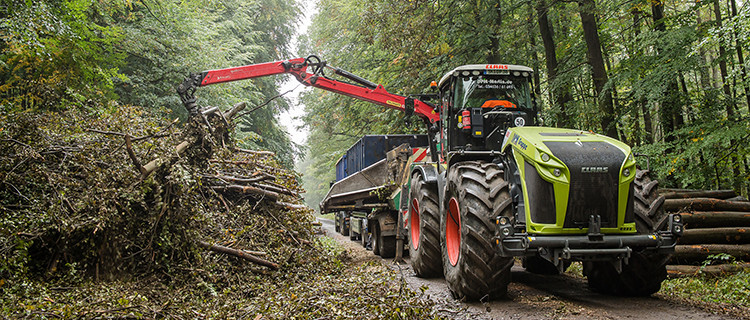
(424, 229)
(476, 193)
(645, 271)
(337, 223)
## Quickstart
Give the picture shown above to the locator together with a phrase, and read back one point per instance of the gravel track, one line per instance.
(532, 296)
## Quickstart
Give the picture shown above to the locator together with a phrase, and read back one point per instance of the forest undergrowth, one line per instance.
(86, 233)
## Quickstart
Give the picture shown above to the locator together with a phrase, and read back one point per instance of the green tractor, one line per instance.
(496, 188)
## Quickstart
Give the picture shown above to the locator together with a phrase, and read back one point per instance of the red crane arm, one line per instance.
(298, 67)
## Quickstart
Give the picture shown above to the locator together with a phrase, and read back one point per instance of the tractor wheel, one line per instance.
(424, 229)
(645, 271)
(476, 194)
(539, 265)
(642, 276)
(649, 214)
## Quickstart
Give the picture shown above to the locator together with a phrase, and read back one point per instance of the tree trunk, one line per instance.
(715, 236)
(494, 52)
(560, 92)
(534, 55)
(641, 101)
(700, 252)
(715, 219)
(598, 71)
(718, 270)
(671, 106)
(685, 193)
(705, 204)
(705, 72)
(723, 64)
(741, 58)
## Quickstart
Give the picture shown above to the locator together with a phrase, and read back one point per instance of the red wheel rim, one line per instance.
(453, 231)
(414, 228)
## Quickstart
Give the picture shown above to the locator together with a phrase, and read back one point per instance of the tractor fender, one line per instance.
(429, 173)
(431, 176)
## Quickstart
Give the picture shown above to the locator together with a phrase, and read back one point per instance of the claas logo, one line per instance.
(497, 66)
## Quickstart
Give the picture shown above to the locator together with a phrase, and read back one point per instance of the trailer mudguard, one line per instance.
(428, 171)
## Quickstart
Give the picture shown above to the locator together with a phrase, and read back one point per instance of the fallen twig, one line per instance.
(238, 253)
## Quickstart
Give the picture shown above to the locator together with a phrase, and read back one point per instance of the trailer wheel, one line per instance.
(641, 277)
(383, 246)
(337, 223)
(387, 246)
(476, 193)
(352, 234)
(363, 237)
(376, 239)
(344, 226)
(424, 229)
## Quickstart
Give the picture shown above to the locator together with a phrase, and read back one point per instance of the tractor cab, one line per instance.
(480, 102)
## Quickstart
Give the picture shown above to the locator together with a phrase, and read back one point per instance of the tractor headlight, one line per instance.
(626, 172)
(545, 157)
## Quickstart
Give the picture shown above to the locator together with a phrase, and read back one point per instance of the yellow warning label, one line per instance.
(393, 103)
(478, 133)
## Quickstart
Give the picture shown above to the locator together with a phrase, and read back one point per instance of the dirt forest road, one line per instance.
(532, 296)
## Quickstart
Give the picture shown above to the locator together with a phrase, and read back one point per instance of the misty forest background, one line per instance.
(668, 77)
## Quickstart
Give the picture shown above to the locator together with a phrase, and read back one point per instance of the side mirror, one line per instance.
(409, 107)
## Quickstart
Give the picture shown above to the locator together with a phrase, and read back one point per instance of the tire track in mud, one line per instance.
(532, 296)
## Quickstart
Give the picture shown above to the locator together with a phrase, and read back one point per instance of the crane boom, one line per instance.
(366, 90)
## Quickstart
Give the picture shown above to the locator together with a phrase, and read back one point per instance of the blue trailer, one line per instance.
(371, 149)
(366, 195)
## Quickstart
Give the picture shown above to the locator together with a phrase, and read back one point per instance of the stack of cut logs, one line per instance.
(716, 222)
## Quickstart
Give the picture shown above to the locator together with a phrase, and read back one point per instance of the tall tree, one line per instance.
(671, 105)
(587, 10)
(560, 91)
(723, 64)
(740, 57)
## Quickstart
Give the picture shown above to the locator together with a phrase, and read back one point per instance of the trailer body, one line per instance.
(366, 195)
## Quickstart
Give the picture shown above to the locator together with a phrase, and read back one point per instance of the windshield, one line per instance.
(492, 91)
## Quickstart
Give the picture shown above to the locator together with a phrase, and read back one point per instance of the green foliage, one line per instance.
(70, 203)
(704, 155)
(730, 292)
(57, 53)
(664, 75)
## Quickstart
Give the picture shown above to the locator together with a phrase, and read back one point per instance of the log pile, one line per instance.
(717, 225)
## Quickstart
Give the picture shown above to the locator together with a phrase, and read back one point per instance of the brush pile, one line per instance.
(120, 214)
